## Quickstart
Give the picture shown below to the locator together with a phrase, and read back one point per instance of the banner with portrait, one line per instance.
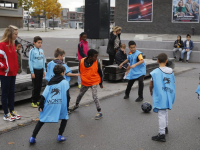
(185, 11)
(140, 11)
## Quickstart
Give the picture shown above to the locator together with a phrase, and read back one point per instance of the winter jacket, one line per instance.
(121, 57)
(36, 59)
(191, 44)
(19, 62)
(82, 49)
(111, 43)
(8, 60)
(176, 42)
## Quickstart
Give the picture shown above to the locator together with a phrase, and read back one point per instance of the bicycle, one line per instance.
(26, 44)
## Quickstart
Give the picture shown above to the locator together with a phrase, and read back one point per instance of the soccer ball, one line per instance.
(146, 107)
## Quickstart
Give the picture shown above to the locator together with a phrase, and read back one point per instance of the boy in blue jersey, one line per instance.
(37, 69)
(162, 89)
(59, 54)
(53, 104)
(137, 71)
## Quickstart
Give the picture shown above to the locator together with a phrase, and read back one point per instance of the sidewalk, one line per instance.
(30, 114)
(74, 33)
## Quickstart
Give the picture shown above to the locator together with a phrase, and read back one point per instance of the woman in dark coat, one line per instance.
(114, 43)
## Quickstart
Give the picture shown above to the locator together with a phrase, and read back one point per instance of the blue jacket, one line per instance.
(163, 90)
(191, 44)
(50, 73)
(55, 106)
(198, 90)
(36, 59)
(139, 70)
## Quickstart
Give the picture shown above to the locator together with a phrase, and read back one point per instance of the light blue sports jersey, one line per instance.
(55, 106)
(139, 70)
(198, 90)
(50, 73)
(163, 89)
(36, 59)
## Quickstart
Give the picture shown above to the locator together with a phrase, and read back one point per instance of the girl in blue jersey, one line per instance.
(162, 89)
(137, 71)
(53, 104)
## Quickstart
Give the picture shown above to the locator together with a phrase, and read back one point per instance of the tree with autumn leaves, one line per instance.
(26, 5)
(49, 8)
(54, 11)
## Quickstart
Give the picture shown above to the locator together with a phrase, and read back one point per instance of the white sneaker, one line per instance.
(8, 117)
(15, 115)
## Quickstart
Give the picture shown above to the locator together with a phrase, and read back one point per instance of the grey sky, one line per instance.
(72, 4)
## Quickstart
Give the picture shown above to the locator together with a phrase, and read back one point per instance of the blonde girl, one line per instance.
(8, 71)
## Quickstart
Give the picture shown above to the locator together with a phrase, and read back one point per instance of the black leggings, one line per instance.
(111, 59)
(40, 124)
(140, 89)
(68, 99)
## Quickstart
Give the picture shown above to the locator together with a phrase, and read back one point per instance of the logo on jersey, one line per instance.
(56, 91)
(166, 80)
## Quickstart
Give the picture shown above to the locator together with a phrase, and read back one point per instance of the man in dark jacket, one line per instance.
(114, 43)
(178, 45)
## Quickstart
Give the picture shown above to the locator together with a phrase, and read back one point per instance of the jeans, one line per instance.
(175, 50)
(163, 120)
(140, 89)
(8, 93)
(188, 54)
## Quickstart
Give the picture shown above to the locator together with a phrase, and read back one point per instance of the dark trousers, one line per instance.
(40, 124)
(111, 59)
(8, 93)
(37, 85)
(140, 89)
(68, 99)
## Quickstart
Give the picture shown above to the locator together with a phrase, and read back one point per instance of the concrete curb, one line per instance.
(28, 122)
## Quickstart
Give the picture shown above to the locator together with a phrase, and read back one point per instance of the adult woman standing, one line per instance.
(114, 43)
(8, 72)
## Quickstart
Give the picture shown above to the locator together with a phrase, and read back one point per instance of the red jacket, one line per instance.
(8, 59)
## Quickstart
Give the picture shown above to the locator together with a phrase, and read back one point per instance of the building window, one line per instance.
(5, 4)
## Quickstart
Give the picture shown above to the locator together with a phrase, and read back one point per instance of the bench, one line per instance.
(153, 48)
(113, 73)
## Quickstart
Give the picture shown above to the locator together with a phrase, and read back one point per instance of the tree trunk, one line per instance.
(45, 22)
(53, 22)
(28, 20)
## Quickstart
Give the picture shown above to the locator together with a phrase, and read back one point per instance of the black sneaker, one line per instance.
(126, 97)
(166, 130)
(74, 108)
(180, 59)
(186, 61)
(160, 138)
(139, 99)
(98, 116)
(174, 57)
